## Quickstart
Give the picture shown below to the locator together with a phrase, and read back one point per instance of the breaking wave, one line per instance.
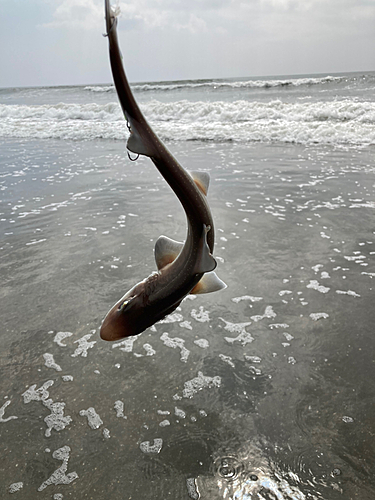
(336, 122)
(98, 88)
(240, 84)
(222, 84)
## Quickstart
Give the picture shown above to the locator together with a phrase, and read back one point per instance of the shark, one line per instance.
(183, 268)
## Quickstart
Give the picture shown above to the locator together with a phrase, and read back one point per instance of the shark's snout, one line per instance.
(116, 326)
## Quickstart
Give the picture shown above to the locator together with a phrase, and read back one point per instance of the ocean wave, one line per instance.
(99, 88)
(61, 112)
(240, 84)
(221, 84)
(250, 111)
(336, 122)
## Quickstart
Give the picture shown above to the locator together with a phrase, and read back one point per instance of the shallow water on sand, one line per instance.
(264, 390)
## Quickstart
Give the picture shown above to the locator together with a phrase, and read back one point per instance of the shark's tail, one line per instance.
(112, 12)
(115, 9)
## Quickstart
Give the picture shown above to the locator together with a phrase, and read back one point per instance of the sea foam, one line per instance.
(335, 122)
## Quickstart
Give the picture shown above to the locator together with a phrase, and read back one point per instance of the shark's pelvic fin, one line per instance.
(210, 282)
(205, 263)
(166, 251)
(201, 179)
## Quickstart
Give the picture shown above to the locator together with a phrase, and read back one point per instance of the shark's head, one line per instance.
(128, 317)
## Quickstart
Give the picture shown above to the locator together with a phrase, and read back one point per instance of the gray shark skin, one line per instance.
(181, 266)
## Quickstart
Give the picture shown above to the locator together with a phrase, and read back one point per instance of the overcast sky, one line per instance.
(60, 42)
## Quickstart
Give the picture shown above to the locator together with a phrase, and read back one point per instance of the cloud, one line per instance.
(218, 16)
(172, 14)
(176, 39)
(73, 14)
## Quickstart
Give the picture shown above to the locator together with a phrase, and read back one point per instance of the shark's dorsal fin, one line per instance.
(166, 251)
(201, 179)
(205, 263)
(210, 282)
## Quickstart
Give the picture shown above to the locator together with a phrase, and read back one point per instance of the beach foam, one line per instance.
(335, 122)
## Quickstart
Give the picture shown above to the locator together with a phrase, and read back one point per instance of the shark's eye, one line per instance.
(125, 303)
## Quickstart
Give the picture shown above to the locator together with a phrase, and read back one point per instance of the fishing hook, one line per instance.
(111, 28)
(133, 159)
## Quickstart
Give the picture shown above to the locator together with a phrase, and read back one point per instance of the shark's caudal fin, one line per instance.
(111, 11)
(115, 9)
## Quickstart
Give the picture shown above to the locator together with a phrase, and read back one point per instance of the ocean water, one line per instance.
(332, 110)
(264, 390)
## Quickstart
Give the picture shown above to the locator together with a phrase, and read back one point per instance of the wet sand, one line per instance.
(264, 388)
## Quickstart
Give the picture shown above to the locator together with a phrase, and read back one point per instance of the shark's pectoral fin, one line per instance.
(166, 251)
(210, 282)
(205, 262)
(201, 179)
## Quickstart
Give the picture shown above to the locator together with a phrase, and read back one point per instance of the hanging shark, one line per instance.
(183, 268)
